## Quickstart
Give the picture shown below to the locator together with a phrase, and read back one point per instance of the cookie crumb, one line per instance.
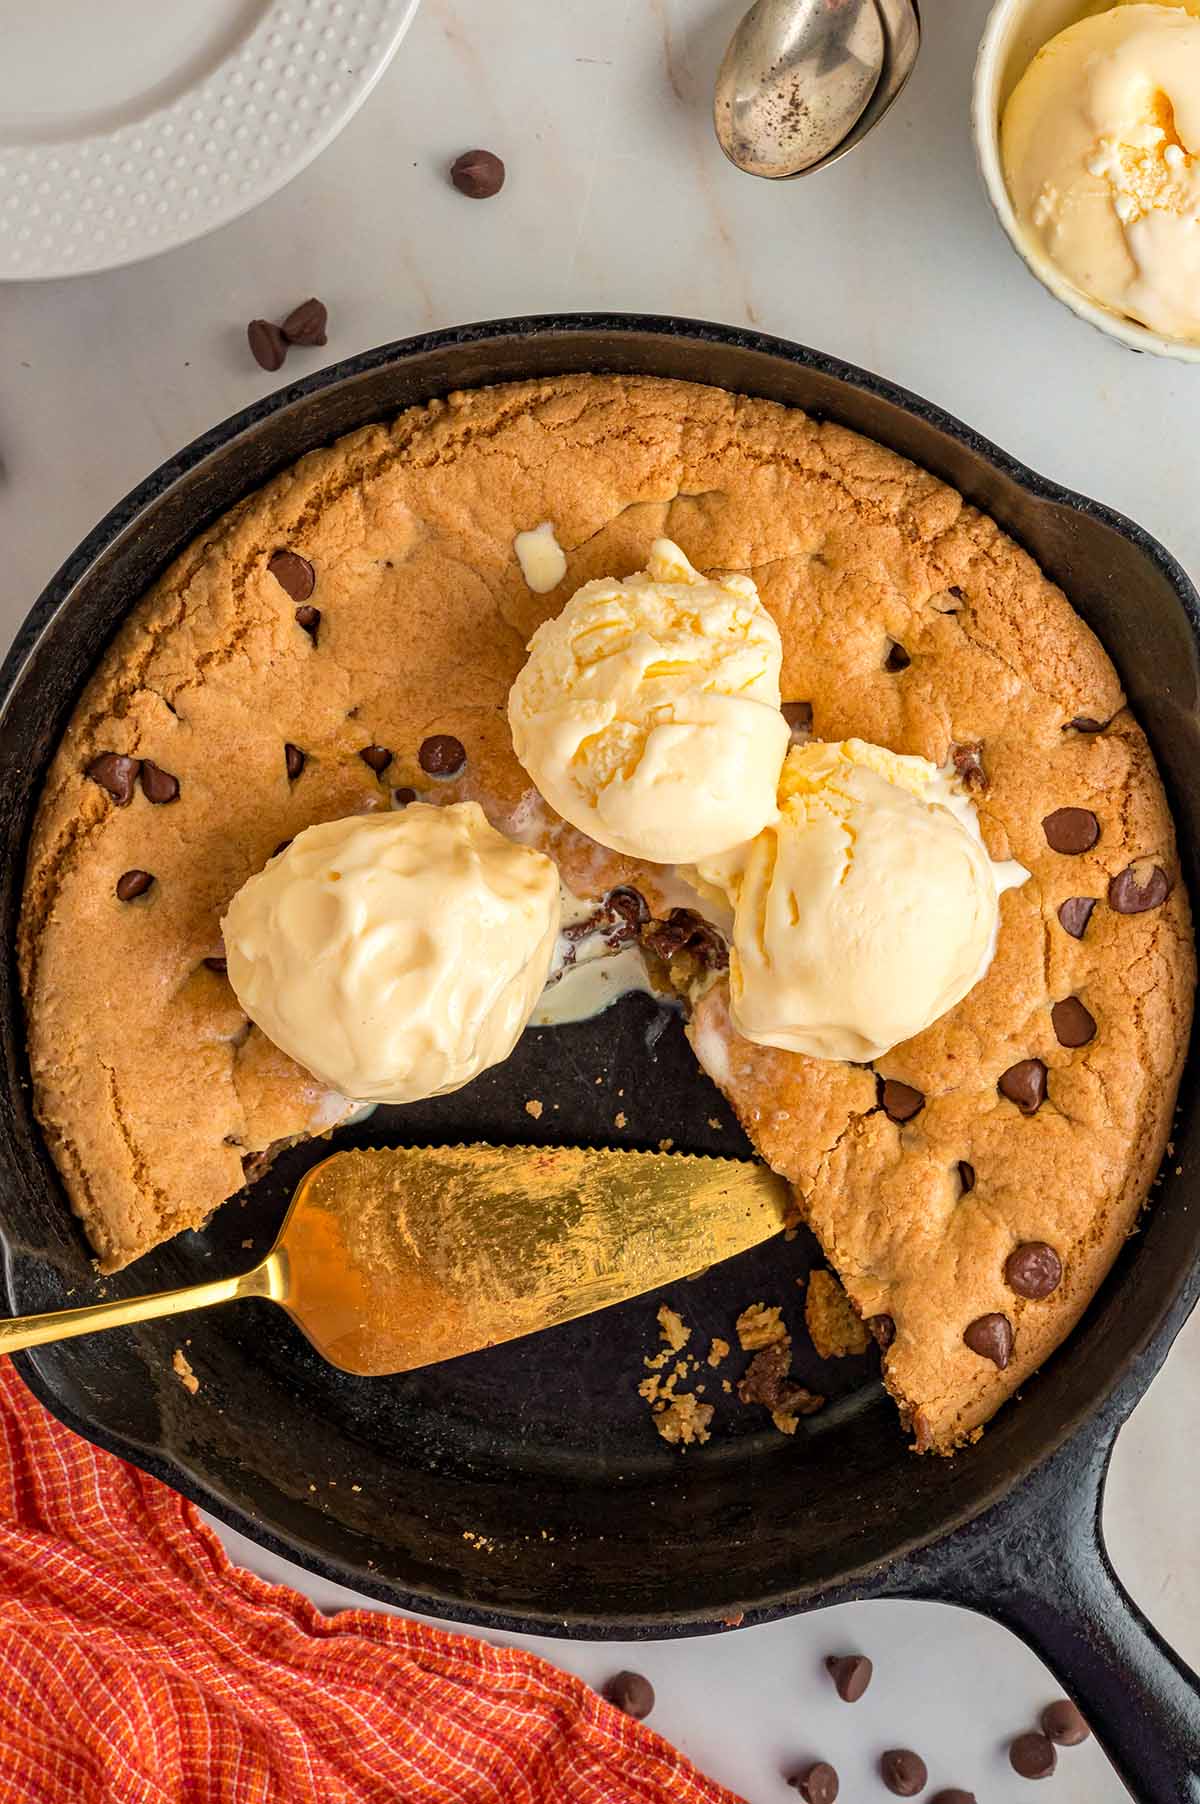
(675, 1331)
(619, 1118)
(718, 1351)
(683, 1422)
(759, 1326)
(714, 1121)
(833, 1326)
(184, 1372)
(664, 1146)
(247, 1244)
(480, 1543)
(534, 1107)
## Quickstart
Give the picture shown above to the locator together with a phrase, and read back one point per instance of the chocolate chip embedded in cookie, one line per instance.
(991, 1336)
(294, 574)
(799, 716)
(900, 1102)
(1075, 913)
(308, 619)
(158, 785)
(882, 1329)
(1140, 886)
(1071, 831)
(442, 755)
(132, 884)
(1034, 1270)
(218, 964)
(897, 658)
(1025, 1084)
(966, 1177)
(294, 760)
(117, 774)
(968, 763)
(1073, 1024)
(376, 758)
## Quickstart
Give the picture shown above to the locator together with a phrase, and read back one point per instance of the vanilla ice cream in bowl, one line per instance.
(1087, 126)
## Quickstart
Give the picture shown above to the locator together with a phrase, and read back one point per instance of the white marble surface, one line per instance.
(618, 198)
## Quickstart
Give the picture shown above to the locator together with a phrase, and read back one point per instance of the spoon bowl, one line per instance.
(803, 81)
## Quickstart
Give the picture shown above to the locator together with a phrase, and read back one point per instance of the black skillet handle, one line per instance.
(1039, 1566)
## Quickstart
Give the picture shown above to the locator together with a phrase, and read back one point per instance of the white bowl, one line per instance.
(1014, 33)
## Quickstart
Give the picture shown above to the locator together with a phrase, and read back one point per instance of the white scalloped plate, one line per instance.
(131, 126)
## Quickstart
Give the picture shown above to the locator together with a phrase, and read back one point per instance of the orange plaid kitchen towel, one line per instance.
(138, 1665)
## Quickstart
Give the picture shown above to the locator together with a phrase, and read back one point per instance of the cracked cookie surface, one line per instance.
(237, 702)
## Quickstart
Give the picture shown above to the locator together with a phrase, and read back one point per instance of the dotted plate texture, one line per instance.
(250, 105)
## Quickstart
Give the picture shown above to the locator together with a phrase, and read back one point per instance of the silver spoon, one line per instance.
(803, 80)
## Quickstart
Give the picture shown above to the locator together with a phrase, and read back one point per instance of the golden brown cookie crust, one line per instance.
(151, 1088)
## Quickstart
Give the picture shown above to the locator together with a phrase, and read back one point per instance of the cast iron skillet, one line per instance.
(522, 1488)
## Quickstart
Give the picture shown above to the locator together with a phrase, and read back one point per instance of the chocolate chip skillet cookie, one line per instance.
(346, 639)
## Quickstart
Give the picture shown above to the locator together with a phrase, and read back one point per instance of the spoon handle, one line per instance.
(262, 1280)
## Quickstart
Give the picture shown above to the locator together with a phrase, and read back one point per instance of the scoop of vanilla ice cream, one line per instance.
(648, 711)
(865, 911)
(1100, 143)
(396, 956)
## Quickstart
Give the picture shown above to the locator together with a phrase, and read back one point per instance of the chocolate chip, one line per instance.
(132, 884)
(966, 1177)
(255, 1164)
(684, 931)
(1032, 1756)
(1064, 1724)
(1140, 886)
(799, 716)
(294, 574)
(282, 847)
(1071, 831)
(851, 1674)
(968, 762)
(1073, 1024)
(882, 1330)
(897, 658)
(903, 1772)
(117, 774)
(1025, 1084)
(817, 1783)
(309, 618)
(900, 1101)
(267, 344)
(1033, 1270)
(618, 919)
(768, 1381)
(633, 1694)
(376, 756)
(294, 759)
(1083, 723)
(219, 965)
(954, 1795)
(991, 1336)
(478, 174)
(305, 324)
(158, 785)
(1075, 913)
(402, 797)
(442, 755)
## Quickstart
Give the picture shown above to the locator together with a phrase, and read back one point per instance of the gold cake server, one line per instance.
(391, 1259)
